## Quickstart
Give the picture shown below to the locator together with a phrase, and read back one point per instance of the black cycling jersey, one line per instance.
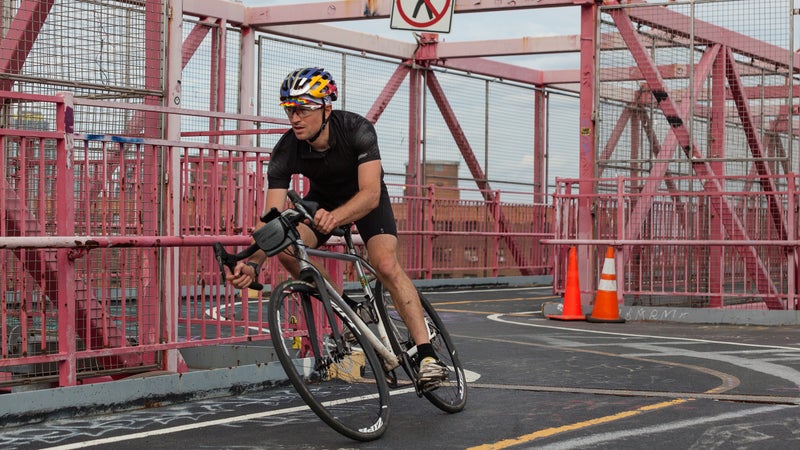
(333, 173)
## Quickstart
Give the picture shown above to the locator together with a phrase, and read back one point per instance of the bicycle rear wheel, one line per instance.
(451, 395)
(343, 383)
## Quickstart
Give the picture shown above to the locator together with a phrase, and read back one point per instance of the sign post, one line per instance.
(434, 16)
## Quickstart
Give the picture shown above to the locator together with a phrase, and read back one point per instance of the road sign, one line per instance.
(422, 15)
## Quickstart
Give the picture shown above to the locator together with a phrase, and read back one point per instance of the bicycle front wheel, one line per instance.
(451, 395)
(332, 366)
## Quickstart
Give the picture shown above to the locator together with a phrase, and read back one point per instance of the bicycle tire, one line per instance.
(451, 395)
(355, 404)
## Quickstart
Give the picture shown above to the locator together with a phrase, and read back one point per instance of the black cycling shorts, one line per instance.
(378, 221)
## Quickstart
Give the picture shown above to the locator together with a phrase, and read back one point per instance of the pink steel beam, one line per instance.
(661, 165)
(504, 70)
(21, 34)
(195, 39)
(716, 149)
(526, 45)
(540, 106)
(414, 168)
(388, 92)
(753, 140)
(472, 163)
(587, 132)
(680, 133)
(357, 10)
(705, 33)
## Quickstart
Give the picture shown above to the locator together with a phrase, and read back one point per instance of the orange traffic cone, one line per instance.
(572, 293)
(606, 307)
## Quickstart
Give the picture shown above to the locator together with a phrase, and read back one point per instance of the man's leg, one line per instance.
(382, 250)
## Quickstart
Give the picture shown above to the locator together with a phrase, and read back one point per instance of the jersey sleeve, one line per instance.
(366, 142)
(279, 171)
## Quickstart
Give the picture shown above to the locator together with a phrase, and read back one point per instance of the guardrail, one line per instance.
(687, 244)
(105, 243)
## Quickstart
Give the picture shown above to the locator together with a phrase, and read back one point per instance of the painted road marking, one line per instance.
(596, 439)
(194, 426)
(497, 318)
(470, 377)
(654, 350)
(547, 432)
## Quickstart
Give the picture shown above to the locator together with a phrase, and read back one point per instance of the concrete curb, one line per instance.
(153, 389)
(694, 315)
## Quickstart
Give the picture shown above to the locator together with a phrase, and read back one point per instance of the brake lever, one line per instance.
(225, 259)
(301, 206)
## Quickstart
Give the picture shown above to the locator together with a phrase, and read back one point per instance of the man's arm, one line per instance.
(366, 199)
(275, 198)
(243, 274)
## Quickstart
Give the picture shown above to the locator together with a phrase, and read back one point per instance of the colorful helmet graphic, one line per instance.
(313, 83)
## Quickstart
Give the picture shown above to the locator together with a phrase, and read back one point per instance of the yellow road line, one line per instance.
(547, 432)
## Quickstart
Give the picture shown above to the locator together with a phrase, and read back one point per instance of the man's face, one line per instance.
(306, 119)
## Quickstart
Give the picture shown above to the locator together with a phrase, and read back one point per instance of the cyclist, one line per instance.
(337, 151)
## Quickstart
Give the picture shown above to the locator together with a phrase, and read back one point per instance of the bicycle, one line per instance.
(342, 365)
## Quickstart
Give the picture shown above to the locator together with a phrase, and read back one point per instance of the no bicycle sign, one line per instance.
(422, 15)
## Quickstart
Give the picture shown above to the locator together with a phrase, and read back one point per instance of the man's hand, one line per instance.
(243, 274)
(325, 221)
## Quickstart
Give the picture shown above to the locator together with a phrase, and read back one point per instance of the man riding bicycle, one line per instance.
(337, 151)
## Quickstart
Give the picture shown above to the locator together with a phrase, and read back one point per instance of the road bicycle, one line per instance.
(343, 352)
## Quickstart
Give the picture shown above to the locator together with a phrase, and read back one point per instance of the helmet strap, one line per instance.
(321, 128)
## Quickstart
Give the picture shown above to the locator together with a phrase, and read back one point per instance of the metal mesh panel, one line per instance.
(279, 58)
(360, 80)
(466, 96)
(201, 78)
(510, 130)
(98, 49)
(691, 253)
(679, 39)
(562, 137)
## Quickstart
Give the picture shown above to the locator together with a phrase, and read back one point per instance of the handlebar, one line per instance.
(279, 231)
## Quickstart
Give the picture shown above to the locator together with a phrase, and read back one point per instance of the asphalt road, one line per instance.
(535, 383)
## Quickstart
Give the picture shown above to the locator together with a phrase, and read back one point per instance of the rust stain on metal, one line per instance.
(371, 8)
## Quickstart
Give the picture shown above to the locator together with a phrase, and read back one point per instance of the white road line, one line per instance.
(657, 350)
(498, 318)
(194, 426)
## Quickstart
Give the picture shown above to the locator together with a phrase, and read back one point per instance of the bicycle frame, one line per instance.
(331, 297)
(309, 315)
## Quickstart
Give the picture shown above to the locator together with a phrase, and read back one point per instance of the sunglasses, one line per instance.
(301, 111)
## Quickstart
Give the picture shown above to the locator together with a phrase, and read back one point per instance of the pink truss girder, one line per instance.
(679, 136)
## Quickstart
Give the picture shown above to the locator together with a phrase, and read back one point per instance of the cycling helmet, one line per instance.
(310, 84)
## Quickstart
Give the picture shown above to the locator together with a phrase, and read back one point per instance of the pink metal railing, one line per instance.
(108, 269)
(688, 249)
